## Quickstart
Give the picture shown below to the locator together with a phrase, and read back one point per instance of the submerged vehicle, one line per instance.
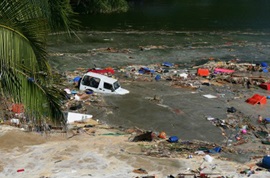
(101, 84)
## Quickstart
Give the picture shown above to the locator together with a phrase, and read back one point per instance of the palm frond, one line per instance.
(101, 6)
(23, 60)
(24, 84)
(59, 14)
(26, 21)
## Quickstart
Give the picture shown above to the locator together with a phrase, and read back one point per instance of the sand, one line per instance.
(100, 152)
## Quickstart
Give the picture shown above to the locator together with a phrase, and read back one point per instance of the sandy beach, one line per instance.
(100, 152)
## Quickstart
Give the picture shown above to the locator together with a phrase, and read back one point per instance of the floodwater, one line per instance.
(186, 33)
(182, 15)
(144, 47)
(182, 113)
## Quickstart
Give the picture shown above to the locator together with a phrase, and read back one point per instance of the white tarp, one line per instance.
(210, 96)
(184, 75)
(72, 117)
(15, 121)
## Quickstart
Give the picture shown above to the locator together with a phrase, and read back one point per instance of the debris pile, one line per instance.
(212, 72)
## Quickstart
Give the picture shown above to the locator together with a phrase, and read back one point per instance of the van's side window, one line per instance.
(86, 80)
(94, 82)
(107, 86)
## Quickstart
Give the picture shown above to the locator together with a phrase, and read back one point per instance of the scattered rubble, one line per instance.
(237, 128)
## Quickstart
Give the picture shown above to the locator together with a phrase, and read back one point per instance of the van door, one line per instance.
(108, 87)
(90, 82)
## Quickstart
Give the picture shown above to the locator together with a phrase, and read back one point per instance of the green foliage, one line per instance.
(100, 6)
(24, 69)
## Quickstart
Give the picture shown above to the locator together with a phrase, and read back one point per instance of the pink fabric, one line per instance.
(220, 70)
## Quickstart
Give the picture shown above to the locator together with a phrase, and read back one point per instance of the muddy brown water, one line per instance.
(182, 113)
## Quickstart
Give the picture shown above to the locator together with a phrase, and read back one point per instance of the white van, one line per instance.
(101, 84)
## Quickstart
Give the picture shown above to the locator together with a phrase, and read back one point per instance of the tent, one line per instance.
(265, 86)
(257, 99)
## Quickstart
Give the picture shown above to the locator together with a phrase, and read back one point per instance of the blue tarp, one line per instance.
(267, 120)
(265, 70)
(266, 162)
(76, 79)
(144, 70)
(74, 92)
(173, 139)
(167, 64)
(158, 77)
(264, 64)
(215, 150)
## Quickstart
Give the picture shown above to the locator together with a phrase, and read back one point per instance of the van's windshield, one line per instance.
(116, 85)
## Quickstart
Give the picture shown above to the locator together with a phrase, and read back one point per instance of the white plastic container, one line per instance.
(208, 158)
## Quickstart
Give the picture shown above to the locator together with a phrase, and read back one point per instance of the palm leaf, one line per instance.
(59, 14)
(23, 59)
(101, 6)
(24, 84)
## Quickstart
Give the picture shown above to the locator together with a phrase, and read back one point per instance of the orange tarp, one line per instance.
(257, 99)
(203, 72)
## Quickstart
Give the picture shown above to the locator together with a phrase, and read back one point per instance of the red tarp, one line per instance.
(203, 72)
(107, 70)
(17, 108)
(265, 86)
(257, 99)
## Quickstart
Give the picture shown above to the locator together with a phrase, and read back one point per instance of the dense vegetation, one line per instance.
(99, 6)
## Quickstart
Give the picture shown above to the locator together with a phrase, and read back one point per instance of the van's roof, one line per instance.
(103, 77)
